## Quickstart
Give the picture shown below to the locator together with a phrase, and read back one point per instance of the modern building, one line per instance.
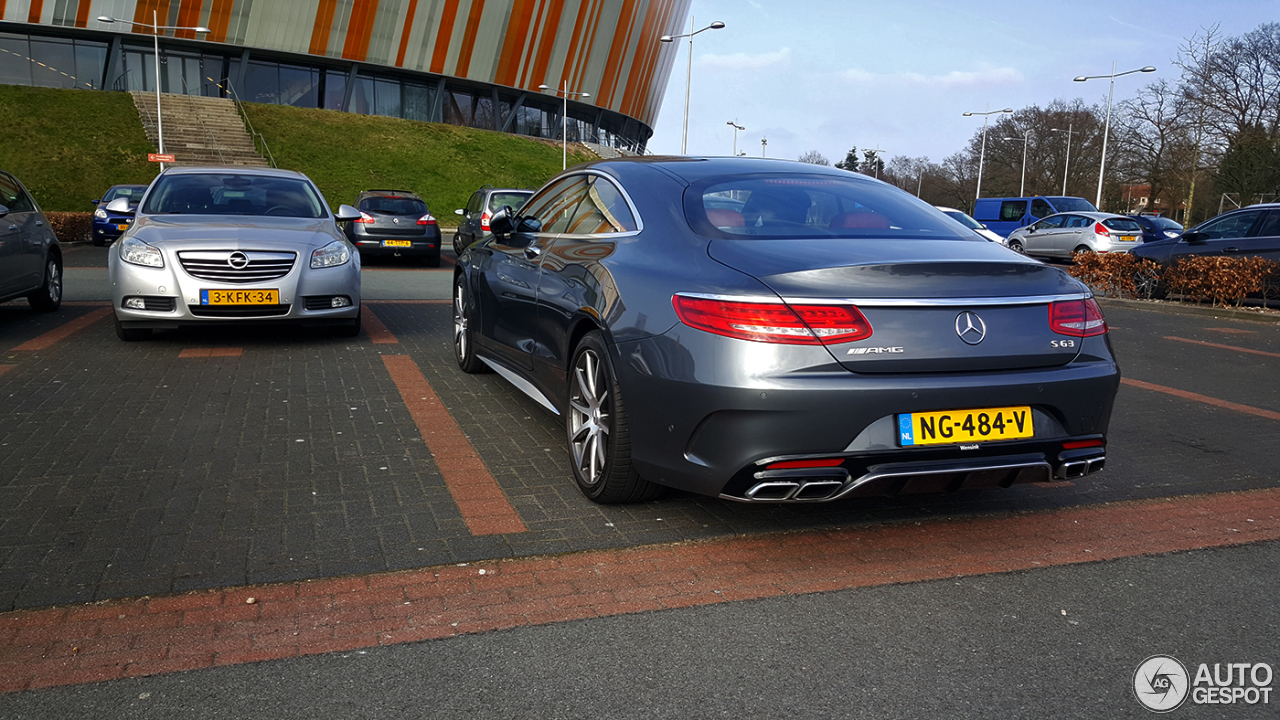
(477, 63)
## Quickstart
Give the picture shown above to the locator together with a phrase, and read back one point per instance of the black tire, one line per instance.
(351, 329)
(457, 246)
(464, 349)
(131, 334)
(1081, 249)
(1016, 246)
(49, 297)
(597, 431)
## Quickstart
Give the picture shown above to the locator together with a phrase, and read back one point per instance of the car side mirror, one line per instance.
(501, 222)
(1194, 237)
(459, 211)
(346, 212)
(120, 206)
(3, 211)
(94, 202)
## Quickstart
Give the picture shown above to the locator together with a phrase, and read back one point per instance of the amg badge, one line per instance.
(874, 351)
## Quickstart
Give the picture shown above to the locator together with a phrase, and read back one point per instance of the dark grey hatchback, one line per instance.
(394, 223)
(771, 331)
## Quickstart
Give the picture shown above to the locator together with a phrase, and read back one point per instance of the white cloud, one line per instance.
(745, 61)
(954, 80)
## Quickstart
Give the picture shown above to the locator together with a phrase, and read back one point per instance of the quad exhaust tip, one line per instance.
(1073, 469)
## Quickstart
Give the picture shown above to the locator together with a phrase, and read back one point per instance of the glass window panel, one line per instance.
(387, 94)
(603, 210)
(261, 83)
(417, 102)
(362, 96)
(54, 63)
(213, 74)
(298, 86)
(484, 112)
(335, 88)
(15, 68)
(91, 64)
(458, 108)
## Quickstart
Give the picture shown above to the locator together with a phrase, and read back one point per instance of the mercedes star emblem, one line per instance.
(238, 260)
(970, 328)
(395, 220)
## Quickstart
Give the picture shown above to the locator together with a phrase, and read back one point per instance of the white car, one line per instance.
(967, 221)
(233, 245)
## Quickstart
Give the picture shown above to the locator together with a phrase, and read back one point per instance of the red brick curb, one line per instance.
(151, 635)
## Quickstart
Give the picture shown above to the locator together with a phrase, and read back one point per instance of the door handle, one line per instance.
(1231, 250)
(532, 252)
(38, 223)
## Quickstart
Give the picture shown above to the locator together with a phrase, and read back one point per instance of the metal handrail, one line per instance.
(208, 136)
(254, 135)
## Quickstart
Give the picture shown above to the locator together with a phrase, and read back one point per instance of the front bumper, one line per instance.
(710, 415)
(109, 229)
(172, 298)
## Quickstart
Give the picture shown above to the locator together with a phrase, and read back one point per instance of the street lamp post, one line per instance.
(1067, 165)
(736, 127)
(875, 164)
(1106, 128)
(564, 121)
(1026, 138)
(684, 138)
(763, 143)
(982, 156)
(156, 27)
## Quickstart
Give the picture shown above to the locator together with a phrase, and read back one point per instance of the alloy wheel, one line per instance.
(55, 282)
(459, 323)
(589, 415)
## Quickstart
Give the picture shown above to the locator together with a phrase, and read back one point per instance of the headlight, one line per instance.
(1170, 233)
(100, 214)
(331, 255)
(136, 252)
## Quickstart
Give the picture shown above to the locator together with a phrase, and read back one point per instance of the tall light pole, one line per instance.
(875, 165)
(1106, 128)
(564, 121)
(982, 156)
(156, 27)
(1026, 138)
(763, 143)
(688, 80)
(736, 127)
(1066, 166)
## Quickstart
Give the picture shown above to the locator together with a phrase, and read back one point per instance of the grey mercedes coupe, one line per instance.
(772, 331)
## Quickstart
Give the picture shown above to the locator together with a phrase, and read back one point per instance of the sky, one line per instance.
(898, 75)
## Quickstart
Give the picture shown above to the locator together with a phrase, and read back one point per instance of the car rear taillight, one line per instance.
(773, 322)
(427, 219)
(484, 221)
(1077, 318)
(364, 218)
(1101, 229)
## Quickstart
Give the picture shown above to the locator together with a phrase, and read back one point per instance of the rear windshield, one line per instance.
(230, 194)
(1122, 225)
(963, 219)
(788, 205)
(1073, 204)
(1165, 223)
(394, 205)
(134, 194)
(514, 200)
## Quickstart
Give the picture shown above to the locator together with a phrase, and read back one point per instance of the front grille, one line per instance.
(235, 311)
(216, 265)
(325, 302)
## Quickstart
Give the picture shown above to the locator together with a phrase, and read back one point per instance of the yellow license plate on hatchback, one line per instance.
(239, 297)
(952, 427)
(397, 243)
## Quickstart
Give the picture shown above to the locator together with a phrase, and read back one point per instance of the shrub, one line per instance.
(71, 226)
(1116, 274)
(1222, 280)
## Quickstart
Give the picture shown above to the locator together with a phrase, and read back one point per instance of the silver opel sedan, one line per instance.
(223, 245)
(772, 331)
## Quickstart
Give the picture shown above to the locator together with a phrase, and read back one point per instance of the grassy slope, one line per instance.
(67, 146)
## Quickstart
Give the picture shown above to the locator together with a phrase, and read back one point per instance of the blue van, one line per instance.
(1004, 215)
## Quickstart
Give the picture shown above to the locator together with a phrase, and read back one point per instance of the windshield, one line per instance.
(394, 205)
(963, 219)
(1165, 223)
(505, 199)
(229, 194)
(789, 205)
(1073, 204)
(134, 194)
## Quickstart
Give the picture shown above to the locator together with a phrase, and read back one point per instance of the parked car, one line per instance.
(964, 219)
(107, 226)
(242, 245)
(1156, 227)
(480, 208)
(395, 223)
(1062, 235)
(1252, 231)
(30, 256)
(831, 337)
(1004, 215)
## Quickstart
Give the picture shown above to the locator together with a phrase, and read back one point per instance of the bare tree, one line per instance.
(1154, 141)
(813, 157)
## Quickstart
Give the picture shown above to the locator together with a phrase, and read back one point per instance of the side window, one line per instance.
(602, 210)
(1012, 210)
(1235, 225)
(1077, 221)
(1051, 223)
(554, 207)
(12, 196)
(1270, 226)
(1040, 208)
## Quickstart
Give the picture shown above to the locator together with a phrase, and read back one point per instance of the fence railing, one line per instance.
(259, 142)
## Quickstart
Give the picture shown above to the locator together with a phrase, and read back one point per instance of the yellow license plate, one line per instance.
(122, 228)
(397, 243)
(239, 297)
(1128, 238)
(965, 426)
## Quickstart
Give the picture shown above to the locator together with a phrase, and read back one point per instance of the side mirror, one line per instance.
(120, 206)
(501, 222)
(94, 202)
(1194, 238)
(459, 211)
(346, 212)
(3, 211)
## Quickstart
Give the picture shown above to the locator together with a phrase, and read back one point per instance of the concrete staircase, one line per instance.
(199, 130)
(605, 152)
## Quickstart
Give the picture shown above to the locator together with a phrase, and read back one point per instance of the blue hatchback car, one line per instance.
(108, 226)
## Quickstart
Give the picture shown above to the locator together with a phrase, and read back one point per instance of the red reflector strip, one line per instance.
(790, 464)
(1077, 444)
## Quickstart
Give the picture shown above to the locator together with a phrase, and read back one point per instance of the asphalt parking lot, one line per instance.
(220, 458)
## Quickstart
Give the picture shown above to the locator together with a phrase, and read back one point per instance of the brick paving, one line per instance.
(153, 635)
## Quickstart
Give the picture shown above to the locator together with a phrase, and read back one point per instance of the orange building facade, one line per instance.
(468, 62)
